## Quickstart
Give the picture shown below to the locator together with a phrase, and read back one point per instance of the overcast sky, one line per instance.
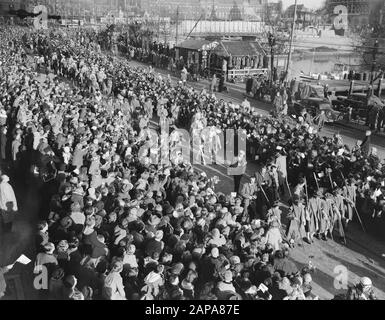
(311, 4)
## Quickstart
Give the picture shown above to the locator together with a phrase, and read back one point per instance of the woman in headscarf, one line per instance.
(8, 204)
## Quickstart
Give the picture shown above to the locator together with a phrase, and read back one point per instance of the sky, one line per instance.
(311, 4)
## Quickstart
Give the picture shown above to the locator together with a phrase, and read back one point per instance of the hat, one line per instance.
(49, 247)
(307, 278)
(255, 224)
(131, 249)
(154, 220)
(159, 234)
(215, 252)
(117, 265)
(365, 281)
(58, 274)
(152, 277)
(235, 260)
(228, 276)
(66, 222)
(177, 268)
(224, 210)
(74, 180)
(70, 281)
(79, 191)
(91, 193)
(186, 285)
(297, 281)
(254, 237)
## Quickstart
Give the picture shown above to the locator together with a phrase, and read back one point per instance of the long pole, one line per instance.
(316, 180)
(291, 40)
(374, 61)
(312, 62)
(158, 20)
(177, 26)
(354, 205)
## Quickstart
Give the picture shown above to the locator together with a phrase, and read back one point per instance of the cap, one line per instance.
(70, 281)
(228, 276)
(215, 252)
(365, 281)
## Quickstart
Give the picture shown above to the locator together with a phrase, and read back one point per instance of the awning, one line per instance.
(238, 49)
(193, 44)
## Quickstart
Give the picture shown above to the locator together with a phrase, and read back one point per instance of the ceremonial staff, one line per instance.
(305, 208)
(354, 205)
(288, 188)
(330, 178)
(316, 180)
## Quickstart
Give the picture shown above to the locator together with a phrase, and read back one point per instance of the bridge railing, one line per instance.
(242, 73)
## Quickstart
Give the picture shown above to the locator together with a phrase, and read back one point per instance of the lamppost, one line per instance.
(272, 42)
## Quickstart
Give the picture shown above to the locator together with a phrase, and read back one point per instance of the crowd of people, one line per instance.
(116, 225)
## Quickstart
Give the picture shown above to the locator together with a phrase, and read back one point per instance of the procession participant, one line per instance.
(335, 218)
(349, 192)
(314, 214)
(297, 220)
(365, 145)
(361, 291)
(278, 103)
(3, 283)
(274, 213)
(239, 166)
(281, 163)
(8, 204)
(249, 194)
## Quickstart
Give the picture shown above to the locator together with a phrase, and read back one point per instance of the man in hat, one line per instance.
(274, 213)
(239, 169)
(226, 287)
(335, 217)
(155, 244)
(281, 163)
(3, 284)
(313, 213)
(8, 204)
(349, 192)
(249, 194)
(361, 291)
(365, 145)
(70, 292)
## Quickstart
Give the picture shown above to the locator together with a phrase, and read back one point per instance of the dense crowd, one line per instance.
(117, 225)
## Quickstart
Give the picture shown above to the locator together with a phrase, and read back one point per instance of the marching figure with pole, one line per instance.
(338, 210)
(323, 218)
(296, 227)
(335, 217)
(313, 212)
(349, 192)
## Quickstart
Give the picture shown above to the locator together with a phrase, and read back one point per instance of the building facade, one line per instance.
(358, 10)
(75, 8)
(206, 9)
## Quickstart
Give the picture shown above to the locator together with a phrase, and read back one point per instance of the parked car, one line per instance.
(358, 103)
(314, 106)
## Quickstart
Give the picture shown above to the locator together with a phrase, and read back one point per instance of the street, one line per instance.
(360, 257)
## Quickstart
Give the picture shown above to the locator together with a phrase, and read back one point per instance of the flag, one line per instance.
(23, 259)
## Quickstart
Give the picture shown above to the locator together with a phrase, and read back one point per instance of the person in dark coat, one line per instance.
(3, 143)
(365, 145)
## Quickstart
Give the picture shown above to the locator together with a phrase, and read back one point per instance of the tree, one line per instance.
(374, 38)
